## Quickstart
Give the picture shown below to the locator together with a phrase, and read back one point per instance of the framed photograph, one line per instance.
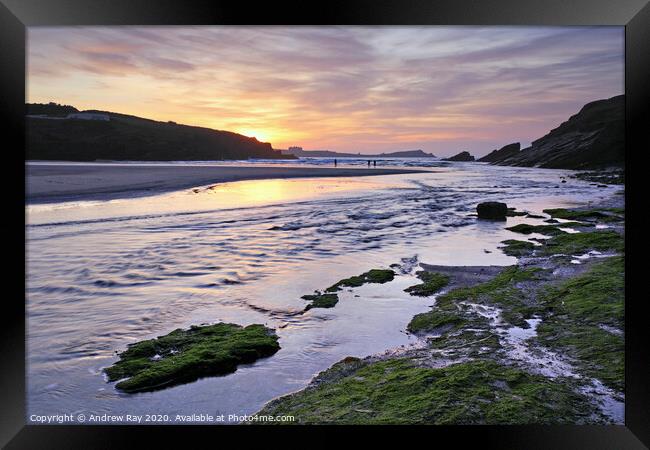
(347, 217)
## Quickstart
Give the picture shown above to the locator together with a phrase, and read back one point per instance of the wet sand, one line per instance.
(57, 182)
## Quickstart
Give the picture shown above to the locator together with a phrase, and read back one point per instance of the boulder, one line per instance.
(492, 210)
(186, 355)
(462, 156)
(505, 152)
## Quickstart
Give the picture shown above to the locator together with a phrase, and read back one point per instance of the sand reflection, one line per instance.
(260, 192)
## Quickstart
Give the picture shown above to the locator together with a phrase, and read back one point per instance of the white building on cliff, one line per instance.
(89, 116)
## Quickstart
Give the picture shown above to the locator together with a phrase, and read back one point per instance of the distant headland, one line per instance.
(62, 132)
(299, 152)
(593, 138)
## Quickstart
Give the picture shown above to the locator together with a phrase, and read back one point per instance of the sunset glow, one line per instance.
(355, 89)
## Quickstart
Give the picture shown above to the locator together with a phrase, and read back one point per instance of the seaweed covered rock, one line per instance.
(517, 248)
(432, 283)
(580, 243)
(579, 315)
(399, 391)
(492, 210)
(372, 276)
(586, 320)
(525, 228)
(503, 291)
(435, 321)
(319, 300)
(548, 230)
(600, 215)
(183, 356)
(329, 298)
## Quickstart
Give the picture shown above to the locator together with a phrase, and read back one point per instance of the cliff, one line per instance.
(462, 156)
(124, 137)
(591, 139)
(501, 154)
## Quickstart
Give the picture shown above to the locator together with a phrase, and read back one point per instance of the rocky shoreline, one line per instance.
(537, 342)
(540, 341)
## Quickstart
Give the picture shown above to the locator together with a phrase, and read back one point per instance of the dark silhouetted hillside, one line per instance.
(593, 138)
(125, 137)
(504, 152)
(50, 109)
(462, 156)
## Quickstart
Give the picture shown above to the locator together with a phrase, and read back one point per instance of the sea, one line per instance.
(102, 274)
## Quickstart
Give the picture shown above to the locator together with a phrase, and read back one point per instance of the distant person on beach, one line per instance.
(374, 163)
(368, 163)
(334, 162)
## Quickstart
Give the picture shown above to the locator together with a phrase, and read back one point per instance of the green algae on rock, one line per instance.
(502, 291)
(372, 276)
(514, 247)
(432, 283)
(399, 391)
(321, 300)
(329, 298)
(434, 320)
(466, 374)
(579, 243)
(601, 215)
(585, 320)
(549, 230)
(474, 340)
(183, 356)
(581, 318)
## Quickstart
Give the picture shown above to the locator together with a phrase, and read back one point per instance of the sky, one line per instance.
(353, 89)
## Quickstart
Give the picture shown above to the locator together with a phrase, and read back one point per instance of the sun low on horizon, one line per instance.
(351, 89)
(260, 135)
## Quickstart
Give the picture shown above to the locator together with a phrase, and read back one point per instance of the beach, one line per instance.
(335, 225)
(48, 183)
(106, 274)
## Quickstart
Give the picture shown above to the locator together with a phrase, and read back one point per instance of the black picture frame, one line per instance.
(16, 15)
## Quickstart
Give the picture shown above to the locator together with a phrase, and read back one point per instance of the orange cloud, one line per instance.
(363, 89)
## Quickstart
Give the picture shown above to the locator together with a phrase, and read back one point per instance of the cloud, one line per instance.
(343, 88)
(158, 62)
